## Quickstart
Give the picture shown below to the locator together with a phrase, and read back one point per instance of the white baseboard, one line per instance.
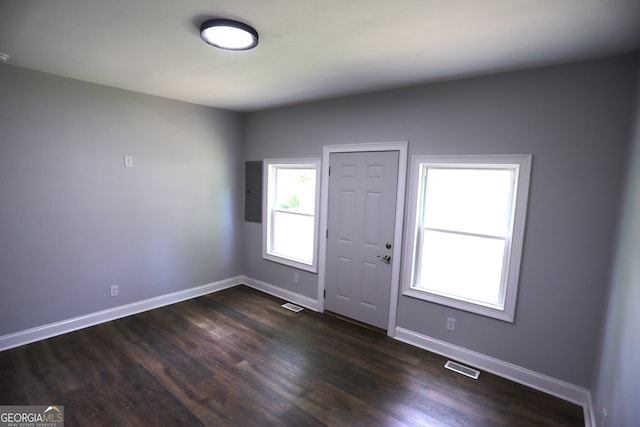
(293, 297)
(58, 328)
(569, 392)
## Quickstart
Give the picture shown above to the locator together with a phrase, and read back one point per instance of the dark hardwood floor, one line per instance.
(237, 358)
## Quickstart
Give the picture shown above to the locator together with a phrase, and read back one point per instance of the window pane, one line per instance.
(295, 189)
(293, 236)
(460, 266)
(469, 200)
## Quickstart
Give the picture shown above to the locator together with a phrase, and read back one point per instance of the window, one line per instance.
(467, 217)
(290, 228)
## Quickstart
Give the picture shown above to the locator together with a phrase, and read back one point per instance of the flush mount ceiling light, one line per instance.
(229, 34)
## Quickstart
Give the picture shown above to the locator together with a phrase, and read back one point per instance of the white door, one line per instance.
(360, 231)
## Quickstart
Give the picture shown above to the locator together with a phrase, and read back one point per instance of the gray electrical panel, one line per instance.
(253, 191)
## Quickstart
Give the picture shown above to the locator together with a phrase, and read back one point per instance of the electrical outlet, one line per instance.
(296, 278)
(451, 324)
(113, 290)
(128, 161)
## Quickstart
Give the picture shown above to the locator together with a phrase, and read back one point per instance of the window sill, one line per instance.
(291, 263)
(459, 304)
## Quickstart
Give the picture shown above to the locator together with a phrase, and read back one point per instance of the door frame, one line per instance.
(402, 148)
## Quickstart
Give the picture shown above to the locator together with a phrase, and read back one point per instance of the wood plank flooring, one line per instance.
(237, 358)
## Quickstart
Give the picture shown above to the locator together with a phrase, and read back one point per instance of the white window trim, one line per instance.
(266, 218)
(517, 236)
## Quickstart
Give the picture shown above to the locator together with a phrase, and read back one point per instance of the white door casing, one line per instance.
(394, 235)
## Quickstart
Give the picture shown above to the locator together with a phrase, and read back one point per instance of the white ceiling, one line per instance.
(308, 49)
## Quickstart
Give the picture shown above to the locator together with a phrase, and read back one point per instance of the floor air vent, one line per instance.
(292, 307)
(461, 369)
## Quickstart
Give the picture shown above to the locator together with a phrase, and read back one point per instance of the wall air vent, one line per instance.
(461, 369)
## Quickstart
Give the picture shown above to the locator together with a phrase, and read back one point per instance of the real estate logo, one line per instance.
(31, 416)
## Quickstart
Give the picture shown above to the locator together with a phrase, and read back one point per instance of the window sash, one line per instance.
(284, 245)
(419, 265)
(426, 219)
(308, 208)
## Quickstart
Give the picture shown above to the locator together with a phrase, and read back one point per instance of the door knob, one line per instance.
(386, 258)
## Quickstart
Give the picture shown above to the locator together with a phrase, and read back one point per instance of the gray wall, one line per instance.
(574, 119)
(74, 221)
(617, 385)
